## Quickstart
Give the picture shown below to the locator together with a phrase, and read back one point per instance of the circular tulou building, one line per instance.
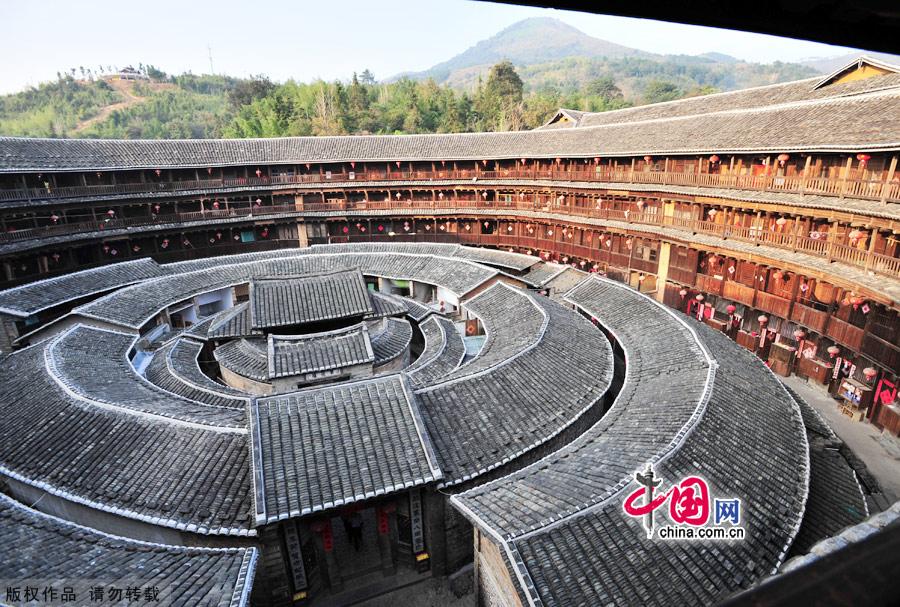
(311, 371)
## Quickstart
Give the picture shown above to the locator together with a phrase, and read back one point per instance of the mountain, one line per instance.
(550, 54)
(826, 65)
(530, 41)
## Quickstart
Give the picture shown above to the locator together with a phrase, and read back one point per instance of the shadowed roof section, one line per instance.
(48, 548)
(130, 464)
(322, 448)
(36, 296)
(307, 299)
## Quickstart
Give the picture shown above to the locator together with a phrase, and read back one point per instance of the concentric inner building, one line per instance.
(316, 370)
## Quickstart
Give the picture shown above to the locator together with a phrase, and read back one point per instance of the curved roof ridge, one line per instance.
(537, 340)
(53, 372)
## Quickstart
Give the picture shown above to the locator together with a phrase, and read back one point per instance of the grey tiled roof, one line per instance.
(246, 357)
(730, 122)
(665, 383)
(495, 257)
(323, 448)
(416, 309)
(199, 329)
(42, 547)
(444, 351)
(384, 304)
(135, 305)
(513, 321)
(137, 466)
(36, 296)
(93, 363)
(758, 97)
(307, 299)
(161, 372)
(542, 273)
(183, 363)
(392, 341)
(481, 420)
(301, 354)
(234, 322)
(562, 517)
(835, 498)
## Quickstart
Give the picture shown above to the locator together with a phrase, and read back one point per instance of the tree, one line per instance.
(605, 88)
(658, 91)
(245, 92)
(499, 102)
(367, 77)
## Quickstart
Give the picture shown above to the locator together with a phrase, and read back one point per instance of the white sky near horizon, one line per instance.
(308, 40)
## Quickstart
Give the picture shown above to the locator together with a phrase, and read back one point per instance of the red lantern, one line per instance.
(487, 224)
(781, 221)
(833, 351)
(714, 159)
(216, 204)
(558, 160)
(782, 158)
(136, 248)
(54, 218)
(106, 248)
(799, 334)
(55, 257)
(699, 297)
(156, 208)
(731, 308)
(111, 213)
(683, 293)
(218, 235)
(648, 158)
(863, 159)
(763, 319)
(345, 230)
(258, 173)
(352, 165)
(165, 243)
(380, 228)
(265, 232)
(258, 201)
(158, 172)
(597, 160)
(398, 164)
(484, 163)
(870, 373)
(209, 170)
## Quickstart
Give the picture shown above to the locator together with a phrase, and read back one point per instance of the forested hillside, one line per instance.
(514, 80)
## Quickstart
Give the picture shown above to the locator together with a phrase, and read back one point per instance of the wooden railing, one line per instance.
(870, 190)
(809, 317)
(844, 333)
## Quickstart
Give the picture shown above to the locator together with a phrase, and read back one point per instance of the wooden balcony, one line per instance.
(868, 189)
(852, 256)
(709, 284)
(735, 291)
(844, 333)
(809, 317)
(773, 304)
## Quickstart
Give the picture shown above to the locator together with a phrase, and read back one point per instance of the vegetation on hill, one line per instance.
(514, 80)
(54, 108)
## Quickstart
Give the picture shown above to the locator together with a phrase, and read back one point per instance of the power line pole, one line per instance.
(209, 50)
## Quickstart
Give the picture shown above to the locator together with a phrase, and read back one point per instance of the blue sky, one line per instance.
(306, 40)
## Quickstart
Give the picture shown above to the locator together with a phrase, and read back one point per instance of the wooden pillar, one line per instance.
(846, 175)
(890, 176)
